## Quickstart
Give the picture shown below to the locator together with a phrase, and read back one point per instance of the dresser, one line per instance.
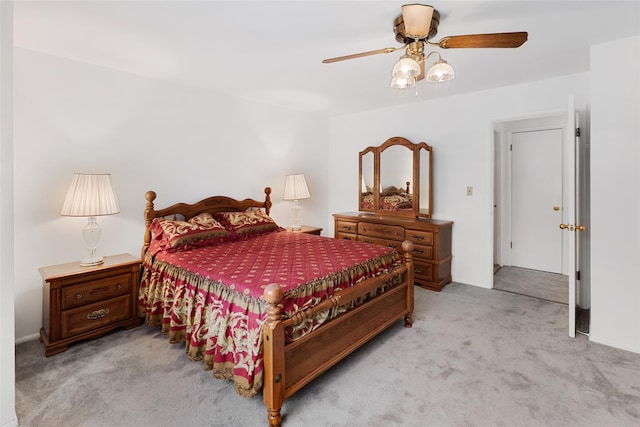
(85, 302)
(431, 239)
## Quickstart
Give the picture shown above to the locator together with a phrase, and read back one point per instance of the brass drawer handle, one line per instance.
(346, 227)
(391, 245)
(98, 314)
(418, 271)
(96, 290)
(78, 296)
(418, 251)
(119, 286)
(418, 237)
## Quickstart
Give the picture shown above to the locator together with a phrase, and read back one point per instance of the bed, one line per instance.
(265, 307)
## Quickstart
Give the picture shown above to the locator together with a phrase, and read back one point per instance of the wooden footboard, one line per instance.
(290, 366)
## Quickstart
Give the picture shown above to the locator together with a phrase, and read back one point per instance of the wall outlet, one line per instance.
(469, 191)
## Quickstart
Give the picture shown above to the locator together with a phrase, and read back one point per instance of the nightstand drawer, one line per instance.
(420, 237)
(99, 290)
(381, 230)
(89, 317)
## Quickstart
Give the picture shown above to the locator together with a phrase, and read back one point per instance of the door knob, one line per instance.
(556, 208)
(564, 226)
(580, 227)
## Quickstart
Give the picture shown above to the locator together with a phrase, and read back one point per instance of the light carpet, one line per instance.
(474, 357)
(534, 283)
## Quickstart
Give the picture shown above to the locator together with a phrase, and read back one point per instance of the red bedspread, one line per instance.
(211, 297)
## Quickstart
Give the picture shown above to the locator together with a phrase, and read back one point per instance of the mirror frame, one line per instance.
(418, 181)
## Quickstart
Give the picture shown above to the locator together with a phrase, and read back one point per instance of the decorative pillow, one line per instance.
(201, 230)
(247, 224)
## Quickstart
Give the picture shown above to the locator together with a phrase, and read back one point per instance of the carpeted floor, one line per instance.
(475, 357)
(533, 283)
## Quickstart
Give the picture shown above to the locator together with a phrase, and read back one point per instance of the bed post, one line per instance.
(148, 217)
(407, 247)
(273, 387)
(267, 200)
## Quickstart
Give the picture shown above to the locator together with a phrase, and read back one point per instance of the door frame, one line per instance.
(501, 176)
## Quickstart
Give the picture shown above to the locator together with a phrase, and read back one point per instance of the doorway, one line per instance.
(529, 248)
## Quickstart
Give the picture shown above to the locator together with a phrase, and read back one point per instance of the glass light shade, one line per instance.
(402, 81)
(407, 66)
(417, 20)
(440, 72)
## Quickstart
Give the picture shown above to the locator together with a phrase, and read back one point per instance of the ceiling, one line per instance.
(271, 51)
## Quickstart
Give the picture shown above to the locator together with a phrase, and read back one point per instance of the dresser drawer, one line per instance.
(345, 236)
(423, 272)
(92, 316)
(346, 227)
(381, 230)
(422, 251)
(98, 290)
(381, 242)
(420, 237)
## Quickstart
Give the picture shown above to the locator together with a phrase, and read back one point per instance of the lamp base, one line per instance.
(295, 212)
(91, 234)
(91, 261)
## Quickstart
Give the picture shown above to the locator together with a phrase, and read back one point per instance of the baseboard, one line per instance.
(11, 423)
(595, 339)
(26, 338)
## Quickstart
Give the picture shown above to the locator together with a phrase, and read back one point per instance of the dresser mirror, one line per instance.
(396, 179)
(367, 179)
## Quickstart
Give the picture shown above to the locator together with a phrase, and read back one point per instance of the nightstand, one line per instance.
(80, 303)
(307, 229)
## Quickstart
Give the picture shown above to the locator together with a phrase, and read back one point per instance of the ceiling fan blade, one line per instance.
(361, 54)
(417, 20)
(501, 40)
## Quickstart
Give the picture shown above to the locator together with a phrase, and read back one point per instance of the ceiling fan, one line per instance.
(415, 28)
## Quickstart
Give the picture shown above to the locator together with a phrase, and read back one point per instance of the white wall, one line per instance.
(460, 129)
(7, 336)
(615, 194)
(182, 143)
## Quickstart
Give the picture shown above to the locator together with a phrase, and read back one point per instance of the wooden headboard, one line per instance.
(186, 211)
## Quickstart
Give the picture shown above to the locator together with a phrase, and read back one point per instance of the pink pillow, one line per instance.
(247, 224)
(201, 230)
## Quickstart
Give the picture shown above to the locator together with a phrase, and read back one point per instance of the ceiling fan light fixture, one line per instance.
(417, 20)
(402, 81)
(406, 66)
(440, 72)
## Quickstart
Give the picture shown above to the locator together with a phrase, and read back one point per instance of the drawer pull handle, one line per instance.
(96, 290)
(391, 245)
(346, 227)
(418, 251)
(367, 241)
(98, 314)
(78, 296)
(119, 286)
(418, 237)
(418, 271)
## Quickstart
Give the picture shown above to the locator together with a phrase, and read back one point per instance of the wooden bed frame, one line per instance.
(290, 366)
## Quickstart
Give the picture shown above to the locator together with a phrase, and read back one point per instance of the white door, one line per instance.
(536, 199)
(569, 217)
